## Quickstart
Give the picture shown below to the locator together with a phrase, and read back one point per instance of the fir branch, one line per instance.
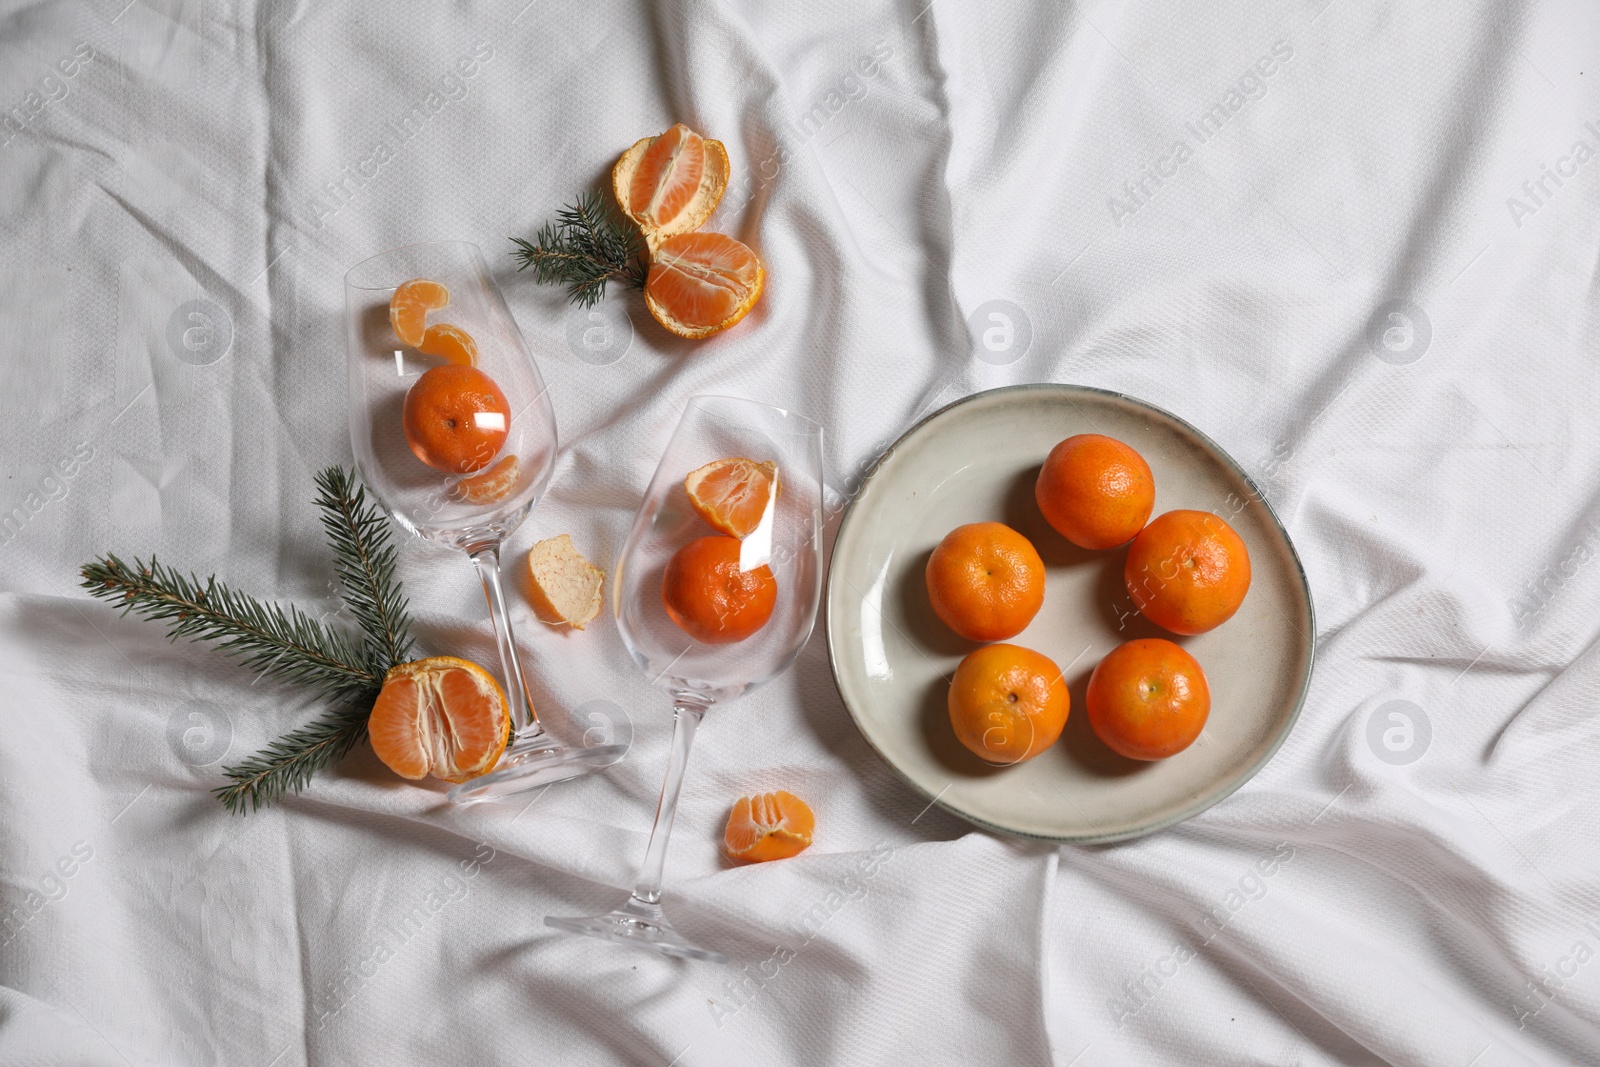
(286, 765)
(364, 559)
(286, 644)
(587, 245)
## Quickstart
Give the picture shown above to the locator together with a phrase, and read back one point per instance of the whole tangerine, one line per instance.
(711, 598)
(1188, 571)
(1096, 491)
(1008, 703)
(1148, 699)
(456, 418)
(985, 581)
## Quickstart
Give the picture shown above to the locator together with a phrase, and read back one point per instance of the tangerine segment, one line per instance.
(733, 494)
(494, 484)
(768, 826)
(651, 168)
(455, 418)
(667, 177)
(442, 716)
(710, 598)
(1008, 703)
(451, 343)
(700, 283)
(409, 307)
(985, 581)
(1096, 491)
(1148, 699)
(1188, 571)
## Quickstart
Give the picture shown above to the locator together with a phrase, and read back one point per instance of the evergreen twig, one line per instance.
(364, 558)
(286, 765)
(286, 643)
(587, 245)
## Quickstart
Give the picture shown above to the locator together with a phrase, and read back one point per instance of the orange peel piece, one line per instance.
(563, 587)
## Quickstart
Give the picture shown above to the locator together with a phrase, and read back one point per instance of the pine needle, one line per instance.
(587, 245)
(284, 642)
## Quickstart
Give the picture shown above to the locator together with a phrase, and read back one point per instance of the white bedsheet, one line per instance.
(1216, 207)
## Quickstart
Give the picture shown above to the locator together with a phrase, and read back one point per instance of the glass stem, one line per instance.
(685, 720)
(524, 720)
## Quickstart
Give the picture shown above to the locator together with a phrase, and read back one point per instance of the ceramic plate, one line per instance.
(976, 460)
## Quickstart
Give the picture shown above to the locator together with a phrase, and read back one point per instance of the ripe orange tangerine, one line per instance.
(732, 495)
(451, 343)
(1188, 571)
(409, 307)
(701, 283)
(1008, 703)
(710, 598)
(455, 418)
(985, 581)
(442, 716)
(1096, 491)
(768, 826)
(1148, 699)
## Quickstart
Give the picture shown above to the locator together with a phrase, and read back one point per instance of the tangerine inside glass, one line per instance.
(437, 505)
(695, 674)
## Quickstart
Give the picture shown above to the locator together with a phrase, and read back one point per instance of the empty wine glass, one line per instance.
(472, 510)
(788, 540)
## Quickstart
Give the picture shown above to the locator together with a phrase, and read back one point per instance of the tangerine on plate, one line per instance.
(1148, 699)
(442, 716)
(1188, 571)
(409, 307)
(732, 495)
(670, 184)
(985, 581)
(710, 598)
(449, 342)
(1008, 703)
(1096, 491)
(455, 418)
(700, 283)
(768, 826)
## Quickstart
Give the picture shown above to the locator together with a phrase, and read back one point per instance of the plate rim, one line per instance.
(1185, 814)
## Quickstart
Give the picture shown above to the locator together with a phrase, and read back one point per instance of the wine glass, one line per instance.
(472, 510)
(698, 675)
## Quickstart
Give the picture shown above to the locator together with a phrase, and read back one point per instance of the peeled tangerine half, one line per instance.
(732, 494)
(700, 283)
(670, 184)
(442, 716)
(409, 307)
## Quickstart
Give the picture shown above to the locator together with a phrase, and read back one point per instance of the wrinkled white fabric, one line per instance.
(1354, 243)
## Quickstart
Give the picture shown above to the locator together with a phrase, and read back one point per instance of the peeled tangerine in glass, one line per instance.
(442, 716)
(732, 495)
(670, 184)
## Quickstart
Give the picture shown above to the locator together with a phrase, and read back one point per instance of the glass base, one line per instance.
(533, 762)
(639, 924)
